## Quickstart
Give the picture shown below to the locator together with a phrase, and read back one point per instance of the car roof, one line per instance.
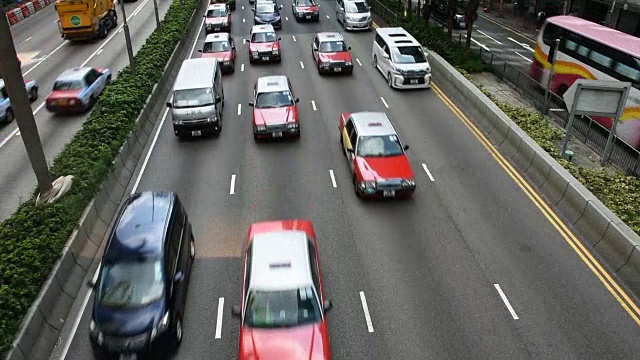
(141, 226)
(217, 37)
(262, 28)
(217, 6)
(195, 73)
(330, 36)
(73, 74)
(369, 123)
(397, 36)
(272, 83)
(1, 83)
(280, 260)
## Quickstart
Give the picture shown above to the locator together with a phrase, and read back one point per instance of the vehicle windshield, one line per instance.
(274, 99)
(216, 46)
(408, 55)
(129, 284)
(193, 98)
(68, 85)
(305, 3)
(265, 8)
(355, 7)
(216, 13)
(264, 37)
(332, 46)
(274, 309)
(379, 146)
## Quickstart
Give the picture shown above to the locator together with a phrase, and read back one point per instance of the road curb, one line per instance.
(511, 28)
(40, 329)
(602, 232)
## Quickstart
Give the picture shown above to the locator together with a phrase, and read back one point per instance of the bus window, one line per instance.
(627, 71)
(600, 59)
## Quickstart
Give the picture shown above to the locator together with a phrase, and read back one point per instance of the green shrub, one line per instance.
(32, 238)
(618, 192)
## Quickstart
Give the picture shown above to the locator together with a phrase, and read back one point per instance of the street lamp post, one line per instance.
(155, 8)
(127, 37)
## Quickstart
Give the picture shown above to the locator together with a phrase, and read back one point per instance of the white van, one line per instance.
(401, 59)
(198, 98)
(353, 14)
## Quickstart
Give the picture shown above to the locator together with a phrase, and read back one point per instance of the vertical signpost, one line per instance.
(553, 55)
(596, 98)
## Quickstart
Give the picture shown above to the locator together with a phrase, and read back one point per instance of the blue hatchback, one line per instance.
(267, 13)
(141, 288)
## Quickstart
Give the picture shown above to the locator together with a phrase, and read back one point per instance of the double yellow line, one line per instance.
(618, 293)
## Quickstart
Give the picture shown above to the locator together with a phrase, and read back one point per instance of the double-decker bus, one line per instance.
(591, 51)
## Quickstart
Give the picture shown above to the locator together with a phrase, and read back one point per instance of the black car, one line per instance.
(267, 13)
(141, 287)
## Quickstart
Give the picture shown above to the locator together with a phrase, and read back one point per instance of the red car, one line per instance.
(331, 54)
(221, 46)
(275, 113)
(264, 44)
(377, 158)
(217, 18)
(284, 307)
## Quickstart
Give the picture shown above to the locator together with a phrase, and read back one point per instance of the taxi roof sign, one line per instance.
(282, 264)
(374, 124)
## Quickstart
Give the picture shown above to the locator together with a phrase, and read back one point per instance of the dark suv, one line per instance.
(141, 288)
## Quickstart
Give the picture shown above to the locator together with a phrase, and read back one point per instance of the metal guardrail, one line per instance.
(585, 129)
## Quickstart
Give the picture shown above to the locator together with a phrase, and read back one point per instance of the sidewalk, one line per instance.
(525, 25)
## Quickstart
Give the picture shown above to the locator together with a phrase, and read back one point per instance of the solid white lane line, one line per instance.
(358, 61)
(239, 109)
(44, 58)
(294, 38)
(55, 21)
(333, 179)
(148, 156)
(121, 30)
(384, 102)
(301, 65)
(27, 39)
(479, 44)
(524, 57)
(489, 37)
(424, 166)
(17, 130)
(242, 67)
(367, 317)
(219, 319)
(506, 301)
(99, 52)
(313, 103)
(76, 323)
(193, 47)
(232, 188)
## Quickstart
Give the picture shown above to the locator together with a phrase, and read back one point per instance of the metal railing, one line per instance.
(585, 129)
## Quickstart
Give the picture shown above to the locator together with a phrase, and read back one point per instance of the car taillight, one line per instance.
(314, 8)
(73, 101)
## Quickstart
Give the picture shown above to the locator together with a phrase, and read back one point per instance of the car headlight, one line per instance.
(72, 102)
(94, 331)
(277, 18)
(162, 326)
(292, 125)
(276, 51)
(348, 63)
(256, 18)
(367, 185)
(212, 119)
(428, 70)
(408, 183)
(254, 54)
(177, 122)
(261, 128)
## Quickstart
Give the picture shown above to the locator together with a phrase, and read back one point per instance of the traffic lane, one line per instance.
(41, 23)
(512, 241)
(484, 23)
(17, 180)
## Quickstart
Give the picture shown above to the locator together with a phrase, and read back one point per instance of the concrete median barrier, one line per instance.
(603, 232)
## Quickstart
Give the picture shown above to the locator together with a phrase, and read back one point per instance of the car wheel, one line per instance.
(375, 61)
(33, 93)
(355, 187)
(10, 116)
(178, 331)
(192, 248)
(233, 68)
(389, 80)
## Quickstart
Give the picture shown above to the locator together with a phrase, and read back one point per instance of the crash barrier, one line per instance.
(25, 10)
(39, 332)
(617, 245)
(12, 18)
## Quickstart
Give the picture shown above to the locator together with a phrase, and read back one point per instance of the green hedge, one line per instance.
(618, 192)
(31, 239)
(435, 39)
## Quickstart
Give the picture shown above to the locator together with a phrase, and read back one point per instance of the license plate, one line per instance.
(265, 58)
(63, 102)
(196, 133)
(337, 69)
(128, 357)
(308, 16)
(462, 25)
(389, 193)
(277, 134)
(414, 81)
(216, 29)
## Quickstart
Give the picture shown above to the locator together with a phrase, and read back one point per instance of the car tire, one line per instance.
(355, 187)
(375, 61)
(10, 116)
(255, 138)
(33, 94)
(178, 331)
(192, 248)
(103, 31)
(389, 80)
(114, 19)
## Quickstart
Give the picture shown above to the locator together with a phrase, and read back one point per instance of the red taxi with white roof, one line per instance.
(217, 18)
(305, 10)
(283, 309)
(264, 44)
(77, 89)
(275, 113)
(331, 54)
(376, 156)
(222, 47)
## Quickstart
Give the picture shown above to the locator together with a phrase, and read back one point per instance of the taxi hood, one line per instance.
(334, 56)
(380, 168)
(273, 116)
(221, 55)
(266, 46)
(301, 342)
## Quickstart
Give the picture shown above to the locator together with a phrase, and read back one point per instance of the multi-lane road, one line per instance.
(45, 55)
(467, 269)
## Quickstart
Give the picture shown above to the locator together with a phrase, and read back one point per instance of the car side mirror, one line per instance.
(235, 311)
(251, 104)
(199, 50)
(297, 100)
(169, 104)
(385, 55)
(350, 150)
(179, 277)
(406, 147)
(315, 47)
(349, 48)
(279, 38)
(341, 8)
(254, 10)
(218, 99)
(327, 305)
(91, 283)
(204, 16)
(247, 40)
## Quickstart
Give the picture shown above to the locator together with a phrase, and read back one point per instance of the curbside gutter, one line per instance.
(617, 245)
(40, 329)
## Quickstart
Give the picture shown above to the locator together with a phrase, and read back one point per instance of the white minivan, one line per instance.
(401, 59)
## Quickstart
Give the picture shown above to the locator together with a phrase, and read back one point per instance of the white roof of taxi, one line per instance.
(262, 28)
(272, 83)
(217, 37)
(73, 74)
(330, 36)
(216, 6)
(364, 122)
(280, 261)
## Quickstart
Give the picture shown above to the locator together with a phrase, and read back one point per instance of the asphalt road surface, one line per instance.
(45, 55)
(467, 269)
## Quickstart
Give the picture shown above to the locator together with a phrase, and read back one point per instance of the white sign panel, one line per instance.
(596, 97)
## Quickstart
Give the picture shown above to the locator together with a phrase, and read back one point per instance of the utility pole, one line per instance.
(155, 8)
(127, 38)
(14, 83)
